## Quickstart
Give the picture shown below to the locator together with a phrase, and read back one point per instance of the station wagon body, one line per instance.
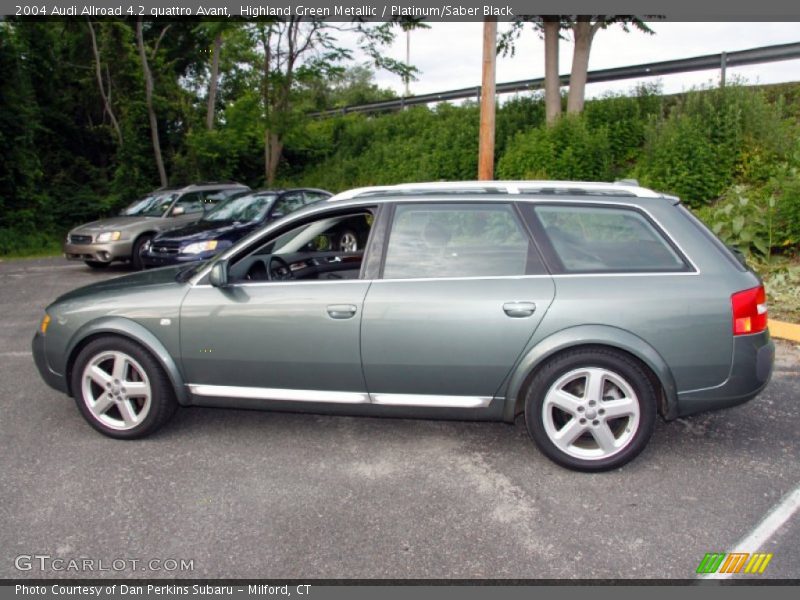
(586, 308)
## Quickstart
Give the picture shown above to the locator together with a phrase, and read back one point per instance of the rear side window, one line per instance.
(458, 240)
(593, 239)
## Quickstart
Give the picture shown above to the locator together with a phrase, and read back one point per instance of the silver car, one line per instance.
(586, 309)
(122, 238)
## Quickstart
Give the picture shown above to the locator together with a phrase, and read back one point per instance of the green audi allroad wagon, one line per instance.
(587, 308)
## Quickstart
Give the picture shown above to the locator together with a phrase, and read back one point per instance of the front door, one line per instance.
(286, 328)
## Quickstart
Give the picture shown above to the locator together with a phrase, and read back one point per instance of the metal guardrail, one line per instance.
(720, 61)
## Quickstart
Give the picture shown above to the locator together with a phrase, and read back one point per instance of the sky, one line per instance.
(448, 55)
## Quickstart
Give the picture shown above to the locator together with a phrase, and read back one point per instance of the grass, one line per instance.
(47, 249)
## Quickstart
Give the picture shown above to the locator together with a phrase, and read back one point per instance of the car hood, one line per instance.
(120, 223)
(135, 281)
(205, 230)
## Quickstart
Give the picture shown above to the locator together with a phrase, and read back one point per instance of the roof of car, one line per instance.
(582, 188)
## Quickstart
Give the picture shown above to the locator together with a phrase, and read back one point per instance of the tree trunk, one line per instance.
(273, 149)
(552, 82)
(99, 74)
(583, 31)
(148, 88)
(212, 85)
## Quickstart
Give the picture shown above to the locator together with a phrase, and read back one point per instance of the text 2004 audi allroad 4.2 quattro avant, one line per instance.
(589, 308)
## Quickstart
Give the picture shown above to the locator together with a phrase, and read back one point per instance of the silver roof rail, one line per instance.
(628, 187)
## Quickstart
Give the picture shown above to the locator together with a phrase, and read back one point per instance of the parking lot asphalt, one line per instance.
(257, 494)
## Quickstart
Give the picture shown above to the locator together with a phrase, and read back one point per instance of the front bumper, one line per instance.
(105, 252)
(751, 370)
(152, 260)
(51, 378)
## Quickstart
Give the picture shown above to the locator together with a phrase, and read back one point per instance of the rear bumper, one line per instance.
(753, 359)
(107, 252)
(51, 378)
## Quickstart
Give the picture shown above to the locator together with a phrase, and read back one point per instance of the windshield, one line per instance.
(243, 209)
(151, 206)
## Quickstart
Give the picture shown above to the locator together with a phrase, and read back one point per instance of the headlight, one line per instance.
(199, 247)
(45, 323)
(109, 236)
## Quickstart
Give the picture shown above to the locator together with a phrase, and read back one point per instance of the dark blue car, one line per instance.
(224, 225)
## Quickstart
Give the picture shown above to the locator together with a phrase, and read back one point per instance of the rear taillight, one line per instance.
(749, 311)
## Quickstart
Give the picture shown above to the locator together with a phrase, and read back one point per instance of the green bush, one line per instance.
(713, 138)
(570, 149)
(743, 220)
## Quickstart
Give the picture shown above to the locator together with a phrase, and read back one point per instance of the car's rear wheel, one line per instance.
(137, 262)
(96, 264)
(591, 409)
(120, 389)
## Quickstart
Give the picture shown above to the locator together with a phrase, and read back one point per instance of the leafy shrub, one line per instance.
(743, 221)
(711, 139)
(569, 149)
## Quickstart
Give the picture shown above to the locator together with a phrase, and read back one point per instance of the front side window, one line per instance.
(458, 240)
(594, 239)
(306, 252)
(191, 202)
(287, 203)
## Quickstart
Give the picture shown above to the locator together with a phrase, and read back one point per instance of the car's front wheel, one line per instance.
(120, 389)
(137, 261)
(591, 409)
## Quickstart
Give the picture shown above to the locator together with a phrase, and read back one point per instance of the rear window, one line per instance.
(594, 239)
(709, 235)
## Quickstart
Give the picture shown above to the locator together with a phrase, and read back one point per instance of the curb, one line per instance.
(785, 331)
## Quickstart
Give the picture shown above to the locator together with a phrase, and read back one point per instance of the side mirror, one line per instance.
(218, 277)
(277, 214)
(178, 211)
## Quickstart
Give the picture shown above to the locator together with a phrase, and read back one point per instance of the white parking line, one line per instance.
(15, 354)
(776, 518)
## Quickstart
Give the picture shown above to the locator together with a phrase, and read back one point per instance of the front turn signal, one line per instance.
(45, 324)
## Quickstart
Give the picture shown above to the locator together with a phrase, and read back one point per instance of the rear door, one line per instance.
(461, 292)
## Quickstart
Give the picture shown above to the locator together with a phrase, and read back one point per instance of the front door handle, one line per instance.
(519, 309)
(341, 311)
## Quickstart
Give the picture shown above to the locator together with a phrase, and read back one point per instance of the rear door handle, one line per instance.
(519, 309)
(341, 311)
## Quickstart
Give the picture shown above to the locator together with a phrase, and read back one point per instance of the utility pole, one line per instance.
(408, 58)
(486, 133)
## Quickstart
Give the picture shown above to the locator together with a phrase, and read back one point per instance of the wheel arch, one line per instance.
(133, 331)
(588, 336)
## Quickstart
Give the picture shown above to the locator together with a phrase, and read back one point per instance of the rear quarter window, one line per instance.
(600, 239)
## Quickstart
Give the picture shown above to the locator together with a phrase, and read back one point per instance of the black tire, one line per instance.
(618, 364)
(96, 264)
(162, 403)
(136, 251)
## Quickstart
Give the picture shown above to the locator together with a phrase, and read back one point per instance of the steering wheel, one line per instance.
(272, 269)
